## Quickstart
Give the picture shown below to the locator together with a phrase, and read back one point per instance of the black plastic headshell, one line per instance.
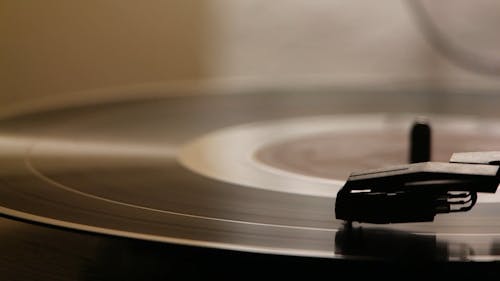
(417, 192)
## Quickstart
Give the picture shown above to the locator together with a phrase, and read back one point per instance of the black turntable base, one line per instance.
(231, 186)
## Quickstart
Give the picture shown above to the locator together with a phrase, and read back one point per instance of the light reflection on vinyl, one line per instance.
(302, 155)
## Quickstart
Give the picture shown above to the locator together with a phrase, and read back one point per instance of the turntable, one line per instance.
(249, 175)
(395, 178)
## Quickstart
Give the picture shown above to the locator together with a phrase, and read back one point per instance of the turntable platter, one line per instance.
(254, 173)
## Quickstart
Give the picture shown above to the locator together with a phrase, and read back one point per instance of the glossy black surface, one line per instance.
(107, 168)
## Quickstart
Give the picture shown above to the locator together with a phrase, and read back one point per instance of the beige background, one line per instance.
(54, 52)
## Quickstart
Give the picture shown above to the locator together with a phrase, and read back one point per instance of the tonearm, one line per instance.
(418, 191)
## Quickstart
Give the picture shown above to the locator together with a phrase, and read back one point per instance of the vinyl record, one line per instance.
(253, 173)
